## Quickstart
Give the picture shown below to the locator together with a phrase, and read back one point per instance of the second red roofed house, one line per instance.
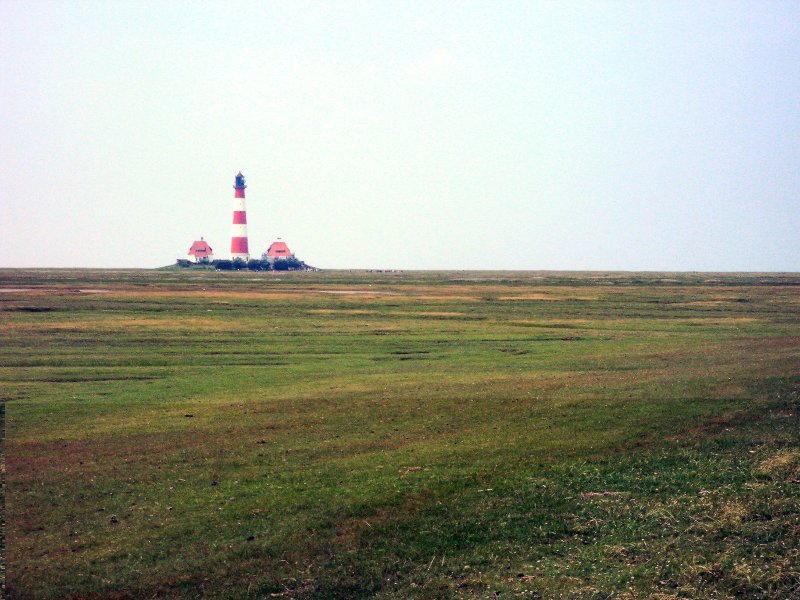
(277, 250)
(200, 252)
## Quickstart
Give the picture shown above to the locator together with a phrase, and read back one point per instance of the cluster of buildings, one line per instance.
(200, 251)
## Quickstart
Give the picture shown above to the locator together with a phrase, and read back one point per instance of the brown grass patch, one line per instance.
(713, 425)
(559, 323)
(407, 470)
(340, 311)
(704, 303)
(732, 514)
(53, 291)
(601, 494)
(393, 313)
(436, 298)
(128, 323)
(784, 462)
(729, 391)
(553, 297)
(351, 529)
(430, 313)
(722, 320)
(771, 342)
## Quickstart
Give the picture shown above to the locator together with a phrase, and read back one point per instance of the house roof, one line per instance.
(278, 249)
(200, 248)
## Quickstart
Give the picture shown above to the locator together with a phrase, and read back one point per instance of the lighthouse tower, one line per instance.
(239, 229)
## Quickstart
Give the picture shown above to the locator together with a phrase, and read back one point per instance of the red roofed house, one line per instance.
(200, 252)
(277, 249)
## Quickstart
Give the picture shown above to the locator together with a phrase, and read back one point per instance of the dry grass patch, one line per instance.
(429, 313)
(721, 320)
(730, 391)
(340, 311)
(783, 462)
(731, 514)
(551, 296)
(704, 303)
(770, 342)
(558, 323)
(436, 298)
(168, 324)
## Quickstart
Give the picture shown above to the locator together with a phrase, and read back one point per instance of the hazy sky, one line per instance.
(514, 135)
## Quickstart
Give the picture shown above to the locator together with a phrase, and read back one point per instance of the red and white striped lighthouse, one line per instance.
(239, 229)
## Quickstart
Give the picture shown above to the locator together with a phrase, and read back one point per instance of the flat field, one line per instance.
(400, 435)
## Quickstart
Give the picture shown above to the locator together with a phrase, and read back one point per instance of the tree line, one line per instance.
(254, 264)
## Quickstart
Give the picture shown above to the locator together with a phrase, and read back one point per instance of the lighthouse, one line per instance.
(239, 228)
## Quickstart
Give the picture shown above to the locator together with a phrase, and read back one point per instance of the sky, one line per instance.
(637, 135)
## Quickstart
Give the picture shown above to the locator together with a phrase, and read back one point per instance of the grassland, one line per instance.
(401, 435)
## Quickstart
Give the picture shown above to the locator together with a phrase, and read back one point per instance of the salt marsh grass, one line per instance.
(395, 435)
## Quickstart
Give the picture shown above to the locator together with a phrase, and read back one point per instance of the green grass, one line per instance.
(394, 435)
